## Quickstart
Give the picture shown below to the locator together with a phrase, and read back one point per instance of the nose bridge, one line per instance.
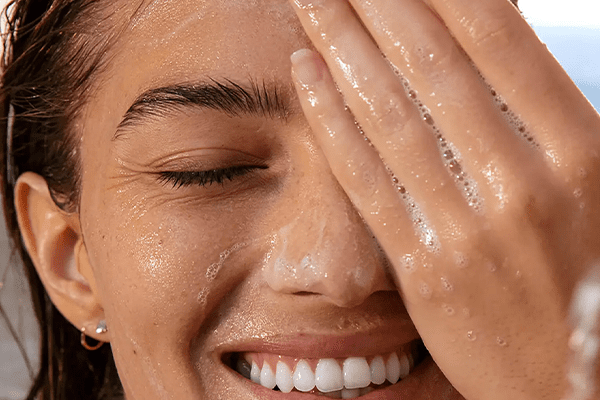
(326, 249)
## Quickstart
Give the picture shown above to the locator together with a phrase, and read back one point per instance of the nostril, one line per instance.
(305, 293)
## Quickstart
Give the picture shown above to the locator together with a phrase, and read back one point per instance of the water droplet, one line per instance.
(412, 94)
(493, 92)
(491, 266)
(203, 296)
(455, 167)
(428, 119)
(448, 155)
(408, 263)
(461, 260)
(501, 342)
(446, 284)
(425, 291)
(471, 336)
(518, 274)
(401, 189)
(212, 271)
(577, 193)
(449, 310)
(504, 107)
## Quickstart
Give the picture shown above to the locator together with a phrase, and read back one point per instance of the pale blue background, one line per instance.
(578, 50)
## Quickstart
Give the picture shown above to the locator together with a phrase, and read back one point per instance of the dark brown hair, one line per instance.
(53, 49)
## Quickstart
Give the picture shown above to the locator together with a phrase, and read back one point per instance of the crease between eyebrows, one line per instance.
(269, 100)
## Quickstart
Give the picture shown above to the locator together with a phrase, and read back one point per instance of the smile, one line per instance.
(341, 378)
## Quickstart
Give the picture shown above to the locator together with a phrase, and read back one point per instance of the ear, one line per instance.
(55, 244)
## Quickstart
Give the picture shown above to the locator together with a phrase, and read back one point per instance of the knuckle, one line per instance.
(436, 58)
(390, 113)
(492, 34)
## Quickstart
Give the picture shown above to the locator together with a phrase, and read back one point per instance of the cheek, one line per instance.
(161, 272)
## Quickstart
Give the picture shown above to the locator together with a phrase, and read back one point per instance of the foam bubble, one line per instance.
(446, 284)
(213, 269)
(451, 158)
(421, 225)
(448, 309)
(515, 122)
(461, 260)
(203, 296)
(425, 291)
(408, 263)
(428, 119)
(426, 233)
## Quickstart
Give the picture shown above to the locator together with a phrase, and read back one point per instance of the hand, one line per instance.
(489, 220)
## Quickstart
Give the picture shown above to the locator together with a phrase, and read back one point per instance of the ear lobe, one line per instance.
(56, 247)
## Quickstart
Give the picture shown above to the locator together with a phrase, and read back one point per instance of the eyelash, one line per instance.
(179, 179)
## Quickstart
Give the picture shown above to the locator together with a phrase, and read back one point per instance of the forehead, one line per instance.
(180, 39)
(168, 42)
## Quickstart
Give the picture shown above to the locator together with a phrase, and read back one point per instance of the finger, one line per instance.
(416, 41)
(520, 67)
(354, 163)
(379, 102)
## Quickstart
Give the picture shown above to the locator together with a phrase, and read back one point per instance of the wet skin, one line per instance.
(280, 255)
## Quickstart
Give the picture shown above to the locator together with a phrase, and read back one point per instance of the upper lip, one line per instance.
(381, 340)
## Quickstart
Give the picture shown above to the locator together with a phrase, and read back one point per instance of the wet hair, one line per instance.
(53, 50)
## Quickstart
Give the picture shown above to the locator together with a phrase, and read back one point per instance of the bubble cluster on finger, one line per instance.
(514, 120)
(449, 153)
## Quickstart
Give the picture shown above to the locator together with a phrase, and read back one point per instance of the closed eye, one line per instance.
(179, 179)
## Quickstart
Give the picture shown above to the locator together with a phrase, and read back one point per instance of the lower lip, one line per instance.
(410, 387)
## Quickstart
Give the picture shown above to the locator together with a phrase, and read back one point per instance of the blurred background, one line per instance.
(571, 29)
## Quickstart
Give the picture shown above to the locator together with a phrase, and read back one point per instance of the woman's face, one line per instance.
(264, 261)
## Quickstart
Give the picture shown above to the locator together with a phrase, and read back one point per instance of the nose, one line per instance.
(325, 248)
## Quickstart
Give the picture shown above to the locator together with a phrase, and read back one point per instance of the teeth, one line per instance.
(267, 377)
(283, 377)
(378, 370)
(255, 373)
(392, 369)
(357, 373)
(366, 390)
(347, 379)
(304, 377)
(350, 393)
(404, 366)
(243, 368)
(328, 376)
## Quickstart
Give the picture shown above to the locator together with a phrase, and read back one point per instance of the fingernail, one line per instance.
(308, 67)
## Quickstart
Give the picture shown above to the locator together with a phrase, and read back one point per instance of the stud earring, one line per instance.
(101, 328)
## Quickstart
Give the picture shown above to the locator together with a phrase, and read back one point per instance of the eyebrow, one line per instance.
(268, 100)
